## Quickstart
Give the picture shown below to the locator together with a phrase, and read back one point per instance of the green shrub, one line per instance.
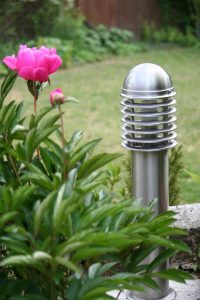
(62, 235)
(24, 20)
(168, 35)
(175, 170)
(70, 27)
(89, 45)
(181, 15)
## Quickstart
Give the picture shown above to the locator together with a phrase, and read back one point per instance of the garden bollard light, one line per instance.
(148, 130)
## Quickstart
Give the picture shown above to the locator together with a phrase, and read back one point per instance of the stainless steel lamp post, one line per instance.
(148, 130)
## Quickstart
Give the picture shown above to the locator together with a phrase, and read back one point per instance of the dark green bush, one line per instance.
(24, 20)
(89, 45)
(168, 35)
(175, 170)
(70, 27)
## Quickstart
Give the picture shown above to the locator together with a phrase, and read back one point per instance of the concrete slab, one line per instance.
(187, 216)
(189, 291)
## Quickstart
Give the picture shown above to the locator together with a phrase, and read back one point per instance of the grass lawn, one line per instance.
(98, 87)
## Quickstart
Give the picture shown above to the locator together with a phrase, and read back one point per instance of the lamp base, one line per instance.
(171, 296)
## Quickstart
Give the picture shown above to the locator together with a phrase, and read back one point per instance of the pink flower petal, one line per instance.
(33, 63)
(58, 91)
(53, 51)
(44, 61)
(10, 61)
(56, 62)
(40, 74)
(22, 47)
(26, 73)
(56, 97)
(45, 50)
(38, 55)
(26, 58)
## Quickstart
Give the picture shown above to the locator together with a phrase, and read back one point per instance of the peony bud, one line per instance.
(56, 97)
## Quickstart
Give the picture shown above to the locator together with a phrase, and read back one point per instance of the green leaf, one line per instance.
(47, 160)
(41, 209)
(7, 217)
(45, 134)
(98, 293)
(37, 177)
(68, 247)
(21, 195)
(93, 270)
(51, 120)
(98, 214)
(29, 297)
(21, 152)
(172, 244)
(9, 116)
(57, 212)
(105, 268)
(90, 252)
(15, 245)
(70, 183)
(162, 219)
(194, 176)
(161, 258)
(68, 264)
(83, 189)
(139, 255)
(71, 99)
(30, 143)
(18, 128)
(7, 85)
(81, 152)
(34, 88)
(75, 140)
(36, 119)
(24, 260)
(96, 162)
(56, 154)
(18, 112)
(173, 274)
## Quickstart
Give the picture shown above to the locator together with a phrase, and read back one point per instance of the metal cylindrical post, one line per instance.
(148, 130)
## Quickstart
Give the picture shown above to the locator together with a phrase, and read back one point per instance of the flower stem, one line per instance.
(118, 295)
(62, 126)
(35, 109)
(35, 97)
(63, 143)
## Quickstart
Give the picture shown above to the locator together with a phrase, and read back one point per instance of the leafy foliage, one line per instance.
(175, 169)
(69, 238)
(58, 24)
(83, 44)
(169, 35)
(176, 13)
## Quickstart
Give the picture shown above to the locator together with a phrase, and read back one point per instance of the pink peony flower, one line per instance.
(33, 63)
(56, 97)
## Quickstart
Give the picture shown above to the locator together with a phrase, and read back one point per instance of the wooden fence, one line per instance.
(127, 14)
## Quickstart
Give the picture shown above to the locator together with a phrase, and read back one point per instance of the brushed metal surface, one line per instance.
(148, 130)
(150, 181)
(147, 81)
(148, 120)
